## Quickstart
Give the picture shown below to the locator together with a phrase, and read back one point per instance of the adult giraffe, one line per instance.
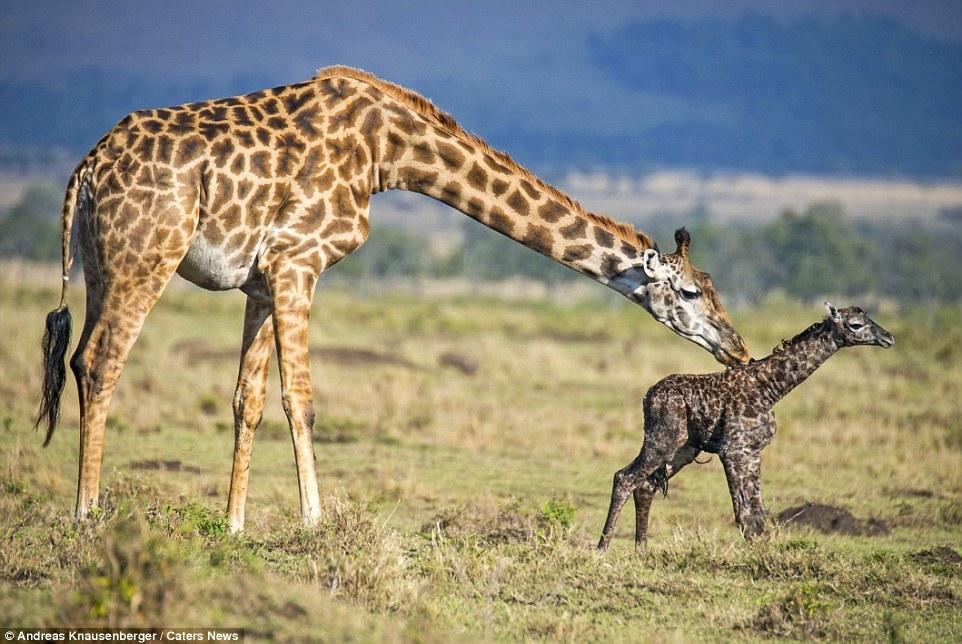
(262, 193)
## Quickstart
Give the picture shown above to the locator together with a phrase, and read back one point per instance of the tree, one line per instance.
(31, 229)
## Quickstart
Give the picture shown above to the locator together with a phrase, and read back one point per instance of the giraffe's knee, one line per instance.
(752, 526)
(620, 479)
(78, 365)
(248, 405)
(754, 523)
(299, 411)
(93, 376)
(624, 482)
(248, 417)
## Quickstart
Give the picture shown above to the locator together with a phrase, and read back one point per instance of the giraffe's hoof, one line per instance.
(311, 519)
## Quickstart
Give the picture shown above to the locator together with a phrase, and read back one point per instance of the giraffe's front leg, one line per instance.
(753, 490)
(292, 290)
(258, 344)
(743, 471)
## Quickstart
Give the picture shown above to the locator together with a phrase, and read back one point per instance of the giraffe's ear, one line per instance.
(832, 311)
(655, 269)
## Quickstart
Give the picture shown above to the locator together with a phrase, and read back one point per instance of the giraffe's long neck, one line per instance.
(790, 366)
(464, 173)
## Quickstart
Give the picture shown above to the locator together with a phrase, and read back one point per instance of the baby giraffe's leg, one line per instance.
(620, 488)
(753, 489)
(643, 499)
(645, 494)
(625, 481)
(743, 471)
(660, 446)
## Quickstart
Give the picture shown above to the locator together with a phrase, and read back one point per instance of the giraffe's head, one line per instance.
(852, 327)
(684, 299)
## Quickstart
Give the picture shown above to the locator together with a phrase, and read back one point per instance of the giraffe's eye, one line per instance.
(855, 326)
(690, 294)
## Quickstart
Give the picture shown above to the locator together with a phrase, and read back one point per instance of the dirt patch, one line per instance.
(292, 610)
(327, 430)
(466, 365)
(569, 337)
(938, 555)
(26, 577)
(916, 493)
(354, 356)
(197, 350)
(490, 524)
(830, 519)
(577, 336)
(165, 466)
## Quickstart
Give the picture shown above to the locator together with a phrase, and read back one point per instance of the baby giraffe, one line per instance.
(730, 414)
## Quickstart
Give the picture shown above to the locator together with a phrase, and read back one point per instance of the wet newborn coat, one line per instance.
(729, 413)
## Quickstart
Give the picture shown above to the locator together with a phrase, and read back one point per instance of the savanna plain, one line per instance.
(465, 447)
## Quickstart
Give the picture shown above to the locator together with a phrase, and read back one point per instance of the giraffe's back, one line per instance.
(276, 169)
(712, 405)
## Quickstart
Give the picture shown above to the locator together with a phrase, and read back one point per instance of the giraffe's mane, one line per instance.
(427, 109)
(804, 335)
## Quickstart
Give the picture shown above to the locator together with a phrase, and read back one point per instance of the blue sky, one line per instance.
(405, 40)
(559, 84)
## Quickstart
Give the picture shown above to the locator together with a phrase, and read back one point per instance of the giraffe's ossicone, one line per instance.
(262, 193)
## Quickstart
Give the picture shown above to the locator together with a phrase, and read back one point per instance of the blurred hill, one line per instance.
(806, 254)
(830, 94)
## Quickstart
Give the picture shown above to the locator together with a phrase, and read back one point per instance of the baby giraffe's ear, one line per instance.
(654, 268)
(832, 311)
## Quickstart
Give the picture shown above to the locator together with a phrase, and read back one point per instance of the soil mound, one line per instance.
(166, 466)
(938, 555)
(464, 364)
(830, 519)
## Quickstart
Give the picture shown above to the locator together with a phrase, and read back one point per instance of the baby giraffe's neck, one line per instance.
(795, 361)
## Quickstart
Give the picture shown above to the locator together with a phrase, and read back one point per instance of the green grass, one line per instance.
(467, 507)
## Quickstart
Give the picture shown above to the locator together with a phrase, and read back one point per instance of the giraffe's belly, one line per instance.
(216, 268)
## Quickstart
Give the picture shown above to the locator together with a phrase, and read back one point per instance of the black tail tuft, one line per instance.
(56, 341)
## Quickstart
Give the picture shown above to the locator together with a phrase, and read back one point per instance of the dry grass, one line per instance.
(465, 505)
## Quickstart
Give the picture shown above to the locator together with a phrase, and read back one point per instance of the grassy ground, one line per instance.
(466, 505)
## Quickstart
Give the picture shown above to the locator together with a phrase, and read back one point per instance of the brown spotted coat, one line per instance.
(264, 192)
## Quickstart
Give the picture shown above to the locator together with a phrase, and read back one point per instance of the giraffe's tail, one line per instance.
(56, 337)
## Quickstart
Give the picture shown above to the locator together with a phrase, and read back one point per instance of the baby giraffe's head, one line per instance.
(852, 327)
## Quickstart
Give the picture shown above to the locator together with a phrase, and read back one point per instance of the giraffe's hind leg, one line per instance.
(665, 433)
(98, 363)
(94, 302)
(658, 481)
(258, 344)
(127, 266)
(639, 475)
